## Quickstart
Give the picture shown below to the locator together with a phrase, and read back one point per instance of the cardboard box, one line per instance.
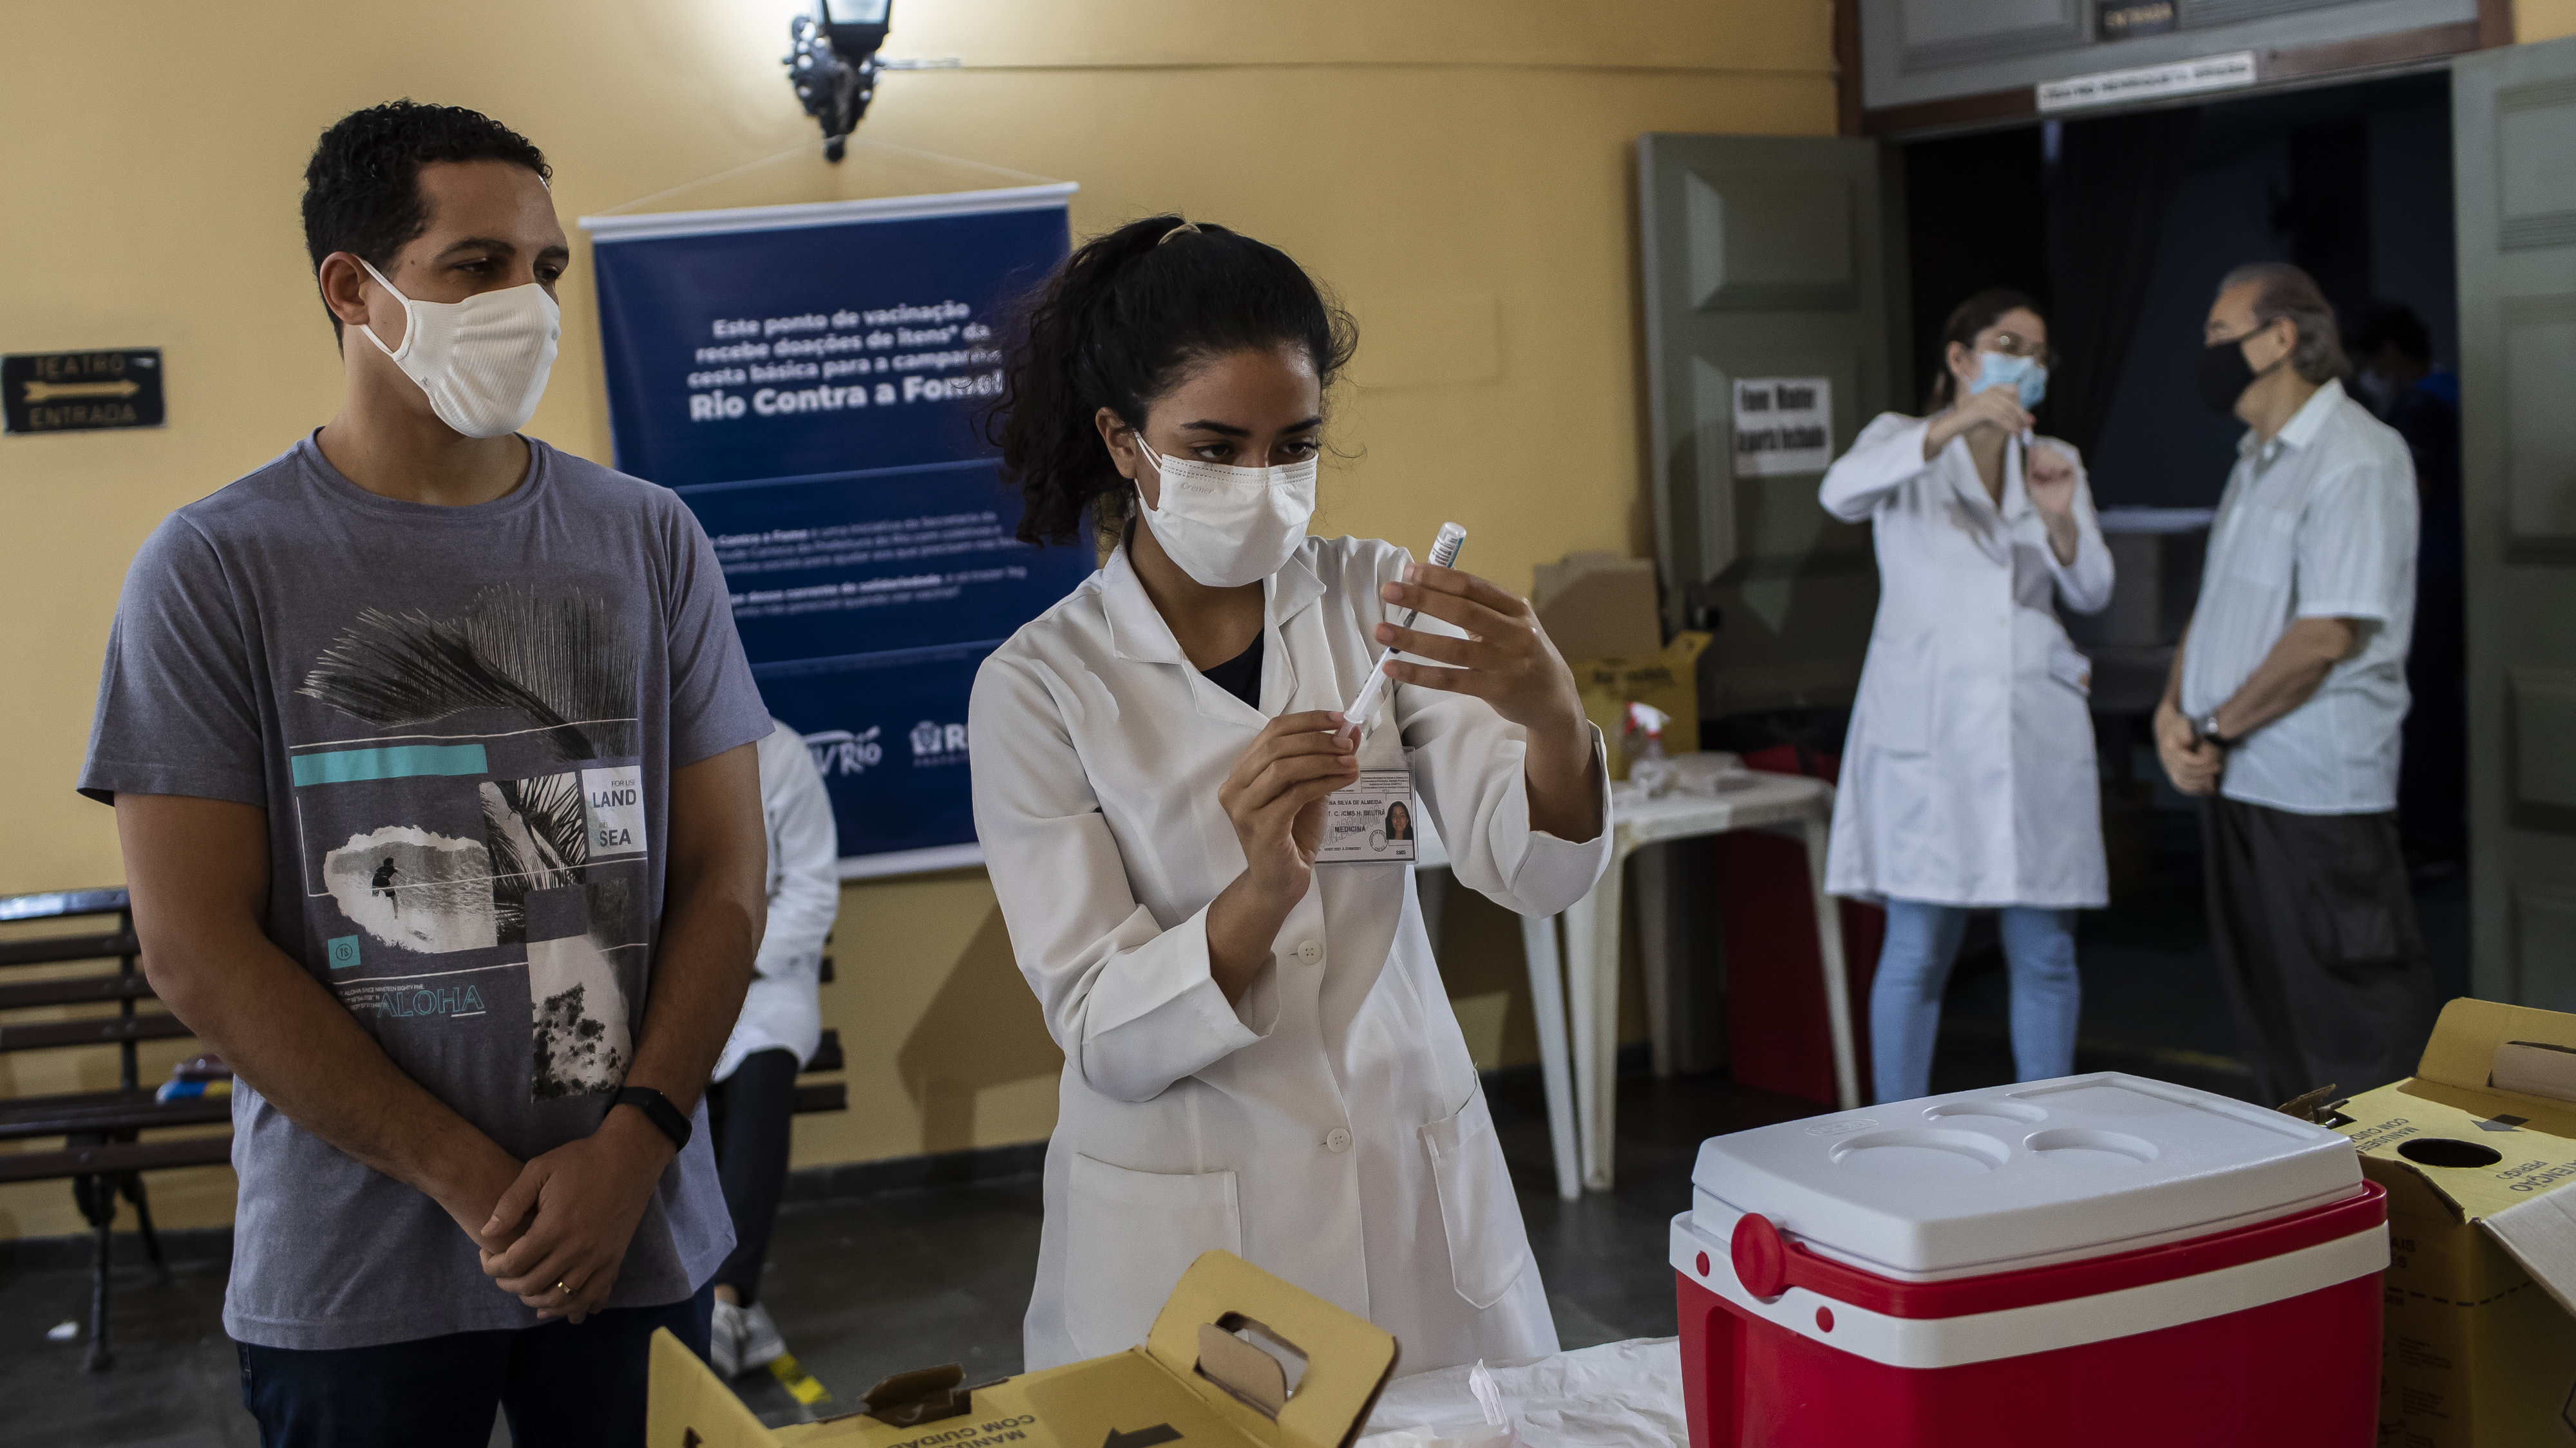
(2480, 1345)
(1198, 1380)
(1599, 606)
(1599, 609)
(1668, 680)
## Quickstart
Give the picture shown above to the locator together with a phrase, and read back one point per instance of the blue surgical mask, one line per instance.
(2027, 374)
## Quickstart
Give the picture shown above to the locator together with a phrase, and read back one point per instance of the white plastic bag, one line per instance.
(1618, 1395)
(1491, 1429)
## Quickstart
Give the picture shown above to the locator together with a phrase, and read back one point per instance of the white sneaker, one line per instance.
(724, 1339)
(761, 1344)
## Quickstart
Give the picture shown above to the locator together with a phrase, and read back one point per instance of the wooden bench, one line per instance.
(102, 1154)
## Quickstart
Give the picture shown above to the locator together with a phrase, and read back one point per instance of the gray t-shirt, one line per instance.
(462, 723)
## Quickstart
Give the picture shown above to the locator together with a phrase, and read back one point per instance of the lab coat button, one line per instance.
(1310, 952)
(1337, 1140)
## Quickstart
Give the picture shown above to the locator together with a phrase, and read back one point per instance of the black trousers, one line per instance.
(579, 1385)
(749, 1112)
(2315, 935)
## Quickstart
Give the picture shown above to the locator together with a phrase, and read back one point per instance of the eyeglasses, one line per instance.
(2013, 345)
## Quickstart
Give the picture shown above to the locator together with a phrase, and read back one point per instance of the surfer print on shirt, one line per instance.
(496, 809)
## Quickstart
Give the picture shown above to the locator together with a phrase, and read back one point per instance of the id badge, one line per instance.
(1371, 822)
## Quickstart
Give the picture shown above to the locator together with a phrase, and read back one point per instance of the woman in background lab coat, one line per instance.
(1968, 779)
(1259, 1055)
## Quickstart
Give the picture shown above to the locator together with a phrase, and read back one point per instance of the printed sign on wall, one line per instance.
(807, 378)
(1783, 425)
(81, 391)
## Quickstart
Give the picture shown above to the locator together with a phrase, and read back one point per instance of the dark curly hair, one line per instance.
(1967, 319)
(362, 187)
(1116, 327)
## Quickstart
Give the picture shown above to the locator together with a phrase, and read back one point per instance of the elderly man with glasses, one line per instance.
(2286, 696)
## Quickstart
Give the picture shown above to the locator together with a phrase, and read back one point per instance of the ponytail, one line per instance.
(1117, 327)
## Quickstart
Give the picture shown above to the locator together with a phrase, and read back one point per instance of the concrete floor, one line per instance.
(958, 1260)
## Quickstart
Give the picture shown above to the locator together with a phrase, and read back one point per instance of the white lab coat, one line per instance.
(781, 1008)
(1329, 1127)
(1968, 777)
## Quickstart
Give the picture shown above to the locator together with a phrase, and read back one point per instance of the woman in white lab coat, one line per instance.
(1259, 1055)
(1968, 779)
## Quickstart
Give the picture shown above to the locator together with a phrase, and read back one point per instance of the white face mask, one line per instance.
(1225, 526)
(483, 361)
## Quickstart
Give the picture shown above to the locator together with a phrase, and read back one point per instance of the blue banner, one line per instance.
(807, 378)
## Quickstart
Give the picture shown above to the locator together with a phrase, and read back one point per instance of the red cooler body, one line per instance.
(2100, 1259)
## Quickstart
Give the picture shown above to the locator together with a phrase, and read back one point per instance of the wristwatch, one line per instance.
(2207, 728)
(657, 1108)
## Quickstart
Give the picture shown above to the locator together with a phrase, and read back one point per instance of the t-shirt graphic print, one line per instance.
(524, 841)
(461, 725)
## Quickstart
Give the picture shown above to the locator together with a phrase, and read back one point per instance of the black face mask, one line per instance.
(2223, 374)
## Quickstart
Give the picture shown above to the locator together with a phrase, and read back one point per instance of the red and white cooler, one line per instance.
(2100, 1259)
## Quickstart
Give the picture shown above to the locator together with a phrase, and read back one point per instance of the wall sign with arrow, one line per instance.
(81, 391)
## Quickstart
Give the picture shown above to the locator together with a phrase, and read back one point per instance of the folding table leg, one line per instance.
(1547, 1003)
(1829, 950)
(1592, 987)
(1653, 865)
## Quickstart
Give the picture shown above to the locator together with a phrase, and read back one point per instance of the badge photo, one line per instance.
(1370, 822)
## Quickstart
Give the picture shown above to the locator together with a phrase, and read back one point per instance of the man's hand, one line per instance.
(574, 1211)
(566, 1222)
(2194, 765)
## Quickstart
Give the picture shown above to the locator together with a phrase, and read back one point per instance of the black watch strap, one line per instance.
(658, 1109)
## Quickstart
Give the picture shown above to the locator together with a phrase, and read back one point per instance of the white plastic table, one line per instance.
(1591, 956)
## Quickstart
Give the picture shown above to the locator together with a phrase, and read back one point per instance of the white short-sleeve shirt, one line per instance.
(2319, 522)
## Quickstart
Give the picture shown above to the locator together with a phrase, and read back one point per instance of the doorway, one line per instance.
(2121, 227)
(2127, 222)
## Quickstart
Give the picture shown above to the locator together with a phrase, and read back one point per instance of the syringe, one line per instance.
(1444, 554)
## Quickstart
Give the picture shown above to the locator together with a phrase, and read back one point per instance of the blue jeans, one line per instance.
(580, 1383)
(1914, 967)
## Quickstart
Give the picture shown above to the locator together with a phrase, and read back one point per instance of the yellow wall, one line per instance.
(2543, 19)
(1458, 170)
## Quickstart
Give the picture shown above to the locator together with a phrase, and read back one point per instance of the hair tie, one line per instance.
(1188, 226)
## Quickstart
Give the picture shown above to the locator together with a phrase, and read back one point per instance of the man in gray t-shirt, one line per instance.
(431, 750)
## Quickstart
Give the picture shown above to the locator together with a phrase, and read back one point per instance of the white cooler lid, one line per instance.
(2020, 1176)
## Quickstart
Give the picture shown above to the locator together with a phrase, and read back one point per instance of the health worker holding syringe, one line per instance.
(1968, 779)
(1184, 817)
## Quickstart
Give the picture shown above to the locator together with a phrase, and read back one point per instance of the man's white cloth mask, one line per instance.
(483, 361)
(1225, 526)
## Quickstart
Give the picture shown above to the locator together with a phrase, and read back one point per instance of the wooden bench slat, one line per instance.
(812, 1096)
(93, 1031)
(78, 990)
(112, 945)
(116, 1156)
(102, 1111)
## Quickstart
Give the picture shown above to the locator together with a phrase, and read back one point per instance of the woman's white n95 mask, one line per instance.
(1225, 526)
